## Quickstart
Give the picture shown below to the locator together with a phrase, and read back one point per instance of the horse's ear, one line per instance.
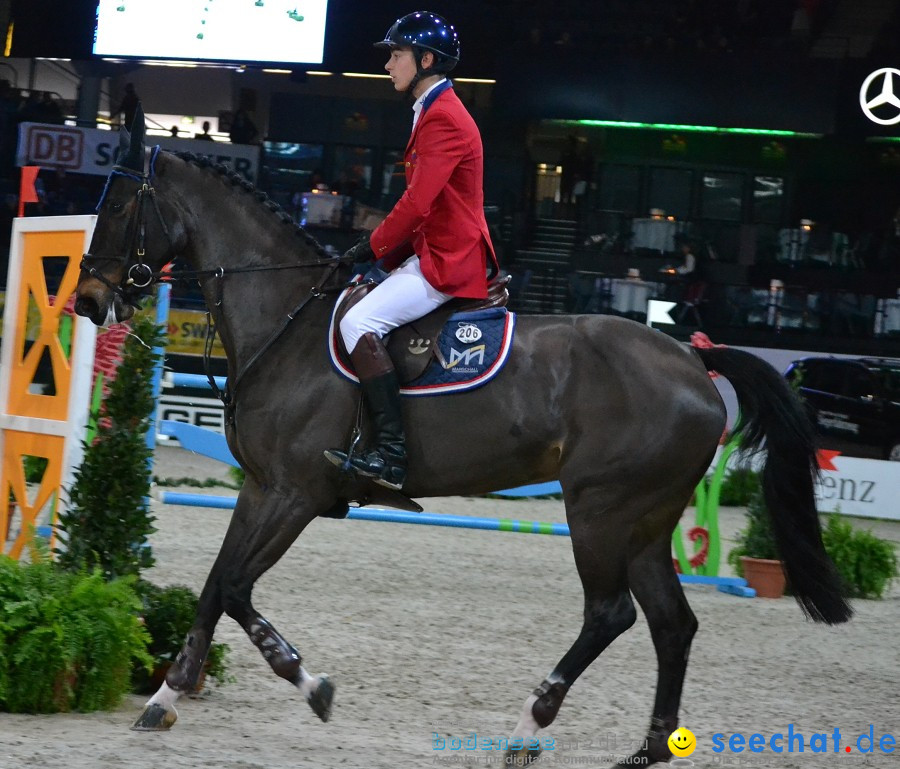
(132, 156)
(124, 143)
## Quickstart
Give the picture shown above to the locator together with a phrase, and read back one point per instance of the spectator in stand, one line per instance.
(694, 274)
(568, 162)
(205, 135)
(50, 111)
(128, 106)
(889, 250)
(30, 111)
(243, 130)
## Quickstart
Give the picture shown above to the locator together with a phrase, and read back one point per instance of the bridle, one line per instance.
(138, 276)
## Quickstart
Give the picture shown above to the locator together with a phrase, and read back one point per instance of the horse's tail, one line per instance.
(771, 411)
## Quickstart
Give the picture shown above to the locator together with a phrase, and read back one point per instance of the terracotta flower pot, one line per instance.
(765, 576)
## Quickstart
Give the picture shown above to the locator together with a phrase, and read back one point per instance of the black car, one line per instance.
(855, 403)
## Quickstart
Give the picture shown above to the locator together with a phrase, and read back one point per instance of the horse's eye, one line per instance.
(116, 207)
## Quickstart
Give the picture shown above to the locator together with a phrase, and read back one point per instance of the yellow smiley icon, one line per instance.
(682, 742)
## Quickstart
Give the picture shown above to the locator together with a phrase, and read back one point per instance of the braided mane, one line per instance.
(239, 181)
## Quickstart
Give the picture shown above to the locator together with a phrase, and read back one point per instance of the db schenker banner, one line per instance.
(92, 150)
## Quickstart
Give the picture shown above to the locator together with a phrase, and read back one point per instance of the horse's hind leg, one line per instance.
(655, 584)
(262, 528)
(600, 548)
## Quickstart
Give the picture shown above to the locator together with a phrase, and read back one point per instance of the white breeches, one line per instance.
(403, 296)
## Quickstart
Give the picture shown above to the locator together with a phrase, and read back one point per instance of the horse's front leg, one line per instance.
(263, 526)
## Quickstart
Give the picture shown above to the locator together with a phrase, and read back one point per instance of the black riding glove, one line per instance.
(361, 253)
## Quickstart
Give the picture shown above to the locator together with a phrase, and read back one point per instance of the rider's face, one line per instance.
(401, 66)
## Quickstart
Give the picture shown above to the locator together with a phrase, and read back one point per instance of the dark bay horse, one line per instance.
(626, 418)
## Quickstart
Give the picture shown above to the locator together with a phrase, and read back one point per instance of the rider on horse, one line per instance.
(435, 240)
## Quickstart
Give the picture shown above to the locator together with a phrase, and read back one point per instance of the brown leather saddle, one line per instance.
(413, 346)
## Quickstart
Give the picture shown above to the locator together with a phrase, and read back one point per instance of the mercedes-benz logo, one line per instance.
(884, 96)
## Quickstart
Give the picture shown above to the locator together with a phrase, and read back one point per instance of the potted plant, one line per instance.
(756, 557)
(168, 613)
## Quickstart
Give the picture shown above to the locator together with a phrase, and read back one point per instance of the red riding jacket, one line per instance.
(441, 215)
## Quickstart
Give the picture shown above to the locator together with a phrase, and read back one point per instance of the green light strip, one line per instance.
(693, 128)
(882, 139)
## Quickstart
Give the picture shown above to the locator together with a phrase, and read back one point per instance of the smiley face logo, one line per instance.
(682, 742)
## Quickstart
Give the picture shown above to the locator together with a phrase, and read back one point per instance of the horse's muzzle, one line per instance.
(101, 306)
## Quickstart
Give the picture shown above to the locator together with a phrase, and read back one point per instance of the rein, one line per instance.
(315, 292)
(140, 276)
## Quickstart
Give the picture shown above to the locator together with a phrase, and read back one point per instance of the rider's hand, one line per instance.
(361, 253)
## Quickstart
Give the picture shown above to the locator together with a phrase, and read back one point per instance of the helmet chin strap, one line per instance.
(420, 75)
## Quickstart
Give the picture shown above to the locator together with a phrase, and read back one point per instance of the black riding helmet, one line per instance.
(425, 31)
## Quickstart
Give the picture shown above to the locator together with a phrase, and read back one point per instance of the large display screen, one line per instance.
(268, 31)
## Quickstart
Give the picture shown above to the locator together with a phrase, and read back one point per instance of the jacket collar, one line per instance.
(435, 91)
(430, 99)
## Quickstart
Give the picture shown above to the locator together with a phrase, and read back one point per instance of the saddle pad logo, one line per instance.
(419, 346)
(471, 360)
(468, 333)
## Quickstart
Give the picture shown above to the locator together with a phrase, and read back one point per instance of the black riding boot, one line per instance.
(386, 462)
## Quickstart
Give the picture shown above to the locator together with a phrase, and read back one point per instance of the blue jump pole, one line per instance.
(732, 585)
(162, 318)
(391, 516)
(196, 381)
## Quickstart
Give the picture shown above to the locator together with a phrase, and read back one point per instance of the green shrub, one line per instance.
(237, 476)
(866, 563)
(206, 483)
(168, 614)
(738, 487)
(68, 640)
(34, 468)
(107, 521)
(757, 540)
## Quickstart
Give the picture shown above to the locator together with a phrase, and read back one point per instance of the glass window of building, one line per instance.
(291, 169)
(352, 171)
(393, 178)
(619, 188)
(670, 192)
(768, 199)
(722, 196)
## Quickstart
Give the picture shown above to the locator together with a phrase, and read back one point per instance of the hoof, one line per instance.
(521, 757)
(320, 700)
(155, 718)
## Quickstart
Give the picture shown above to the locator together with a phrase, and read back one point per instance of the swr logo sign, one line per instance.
(55, 147)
